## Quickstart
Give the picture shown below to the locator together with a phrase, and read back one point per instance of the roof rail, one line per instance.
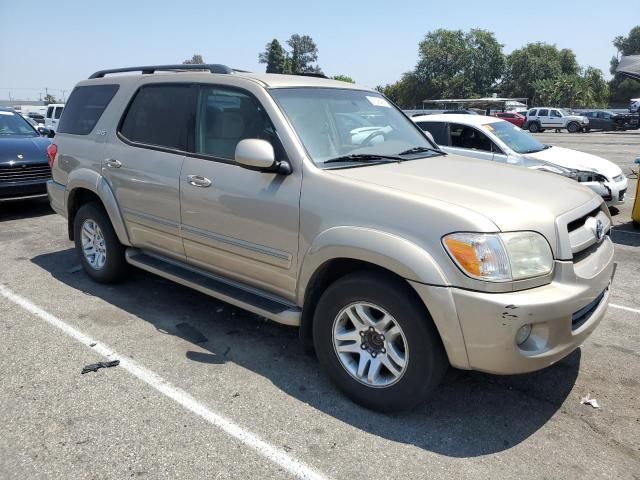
(212, 67)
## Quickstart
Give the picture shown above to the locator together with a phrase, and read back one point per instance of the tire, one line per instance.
(587, 129)
(415, 340)
(573, 127)
(534, 127)
(104, 261)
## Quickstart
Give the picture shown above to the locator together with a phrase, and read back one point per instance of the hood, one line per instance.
(512, 197)
(568, 158)
(32, 149)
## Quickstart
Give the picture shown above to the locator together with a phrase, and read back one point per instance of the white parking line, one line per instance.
(276, 455)
(622, 307)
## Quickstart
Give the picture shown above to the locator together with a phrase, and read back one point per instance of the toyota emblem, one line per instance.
(596, 226)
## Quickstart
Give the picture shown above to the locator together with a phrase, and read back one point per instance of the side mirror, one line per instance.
(46, 132)
(257, 154)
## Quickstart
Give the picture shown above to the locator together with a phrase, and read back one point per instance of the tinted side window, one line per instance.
(50, 112)
(437, 129)
(160, 115)
(543, 113)
(58, 112)
(226, 116)
(84, 108)
(555, 113)
(463, 136)
(532, 113)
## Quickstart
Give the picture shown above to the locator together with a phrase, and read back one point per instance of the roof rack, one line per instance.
(149, 69)
(311, 74)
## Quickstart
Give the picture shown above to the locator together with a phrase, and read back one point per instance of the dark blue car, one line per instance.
(24, 167)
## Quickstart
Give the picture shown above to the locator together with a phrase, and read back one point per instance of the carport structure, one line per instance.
(486, 103)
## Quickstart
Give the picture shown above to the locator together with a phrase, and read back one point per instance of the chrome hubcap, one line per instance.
(370, 344)
(93, 244)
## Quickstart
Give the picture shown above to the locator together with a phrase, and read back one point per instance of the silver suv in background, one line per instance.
(541, 118)
(319, 204)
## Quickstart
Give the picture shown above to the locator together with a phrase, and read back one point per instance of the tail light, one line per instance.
(52, 151)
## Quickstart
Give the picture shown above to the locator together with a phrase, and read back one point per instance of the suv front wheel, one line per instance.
(101, 253)
(377, 342)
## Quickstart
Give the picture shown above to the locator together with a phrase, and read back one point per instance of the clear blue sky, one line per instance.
(57, 43)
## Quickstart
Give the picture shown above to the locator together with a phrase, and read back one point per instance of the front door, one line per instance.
(240, 223)
(555, 119)
(143, 162)
(469, 142)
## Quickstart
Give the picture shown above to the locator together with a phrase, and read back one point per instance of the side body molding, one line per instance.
(386, 250)
(96, 183)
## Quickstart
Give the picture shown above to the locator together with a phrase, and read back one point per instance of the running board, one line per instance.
(247, 298)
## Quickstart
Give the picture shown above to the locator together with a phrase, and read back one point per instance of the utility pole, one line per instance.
(63, 97)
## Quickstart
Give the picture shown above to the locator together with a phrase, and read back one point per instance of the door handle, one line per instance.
(113, 163)
(198, 181)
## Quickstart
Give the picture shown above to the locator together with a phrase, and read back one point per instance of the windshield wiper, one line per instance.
(356, 157)
(420, 150)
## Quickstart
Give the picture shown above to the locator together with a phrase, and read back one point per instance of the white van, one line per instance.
(52, 117)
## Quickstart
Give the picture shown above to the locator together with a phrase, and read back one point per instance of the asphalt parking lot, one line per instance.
(205, 390)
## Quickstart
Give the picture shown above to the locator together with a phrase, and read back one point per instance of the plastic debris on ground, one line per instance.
(94, 367)
(590, 401)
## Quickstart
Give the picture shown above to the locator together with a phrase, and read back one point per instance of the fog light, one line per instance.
(523, 333)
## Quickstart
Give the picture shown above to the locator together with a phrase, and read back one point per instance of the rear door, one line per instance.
(543, 117)
(57, 113)
(469, 142)
(143, 162)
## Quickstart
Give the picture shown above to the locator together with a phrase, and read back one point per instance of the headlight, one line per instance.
(500, 257)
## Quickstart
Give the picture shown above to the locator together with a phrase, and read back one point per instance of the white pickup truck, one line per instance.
(538, 119)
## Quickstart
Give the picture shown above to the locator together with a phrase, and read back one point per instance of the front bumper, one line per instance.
(613, 193)
(23, 189)
(562, 315)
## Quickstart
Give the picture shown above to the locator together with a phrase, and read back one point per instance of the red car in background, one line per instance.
(512, 117)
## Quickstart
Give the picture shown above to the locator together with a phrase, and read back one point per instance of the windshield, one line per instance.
(335, 123)
(514, 137)
(13, 124)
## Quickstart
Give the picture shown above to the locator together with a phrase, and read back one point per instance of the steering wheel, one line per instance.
(367, 141)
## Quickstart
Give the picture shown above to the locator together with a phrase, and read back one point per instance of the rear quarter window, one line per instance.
(437, 129)
(85, 107)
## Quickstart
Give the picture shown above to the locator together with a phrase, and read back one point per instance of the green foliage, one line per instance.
(533, 63)
(571, 90)
(622, 89)
(48, 98)
(194, 60)
(452, 63)
(344, 78)
(300, 59)
(275, 57)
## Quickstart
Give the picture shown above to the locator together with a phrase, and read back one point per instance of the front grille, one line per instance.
(579, 222)
(24, 173)
(581, 316)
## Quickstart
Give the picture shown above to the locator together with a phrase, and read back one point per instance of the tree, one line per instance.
(300, 59)
(275, 57)
(194, 60)
(452, 63)
(344, 78)
(533, 63)
(570, 90)
(621, 88)
(48, 98)
(304, 53)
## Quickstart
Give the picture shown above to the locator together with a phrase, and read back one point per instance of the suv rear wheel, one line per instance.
(101, 253)
(534, 127)
(377, 342)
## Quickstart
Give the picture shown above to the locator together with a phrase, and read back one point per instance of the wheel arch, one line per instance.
(86, 186)
(343, 250)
